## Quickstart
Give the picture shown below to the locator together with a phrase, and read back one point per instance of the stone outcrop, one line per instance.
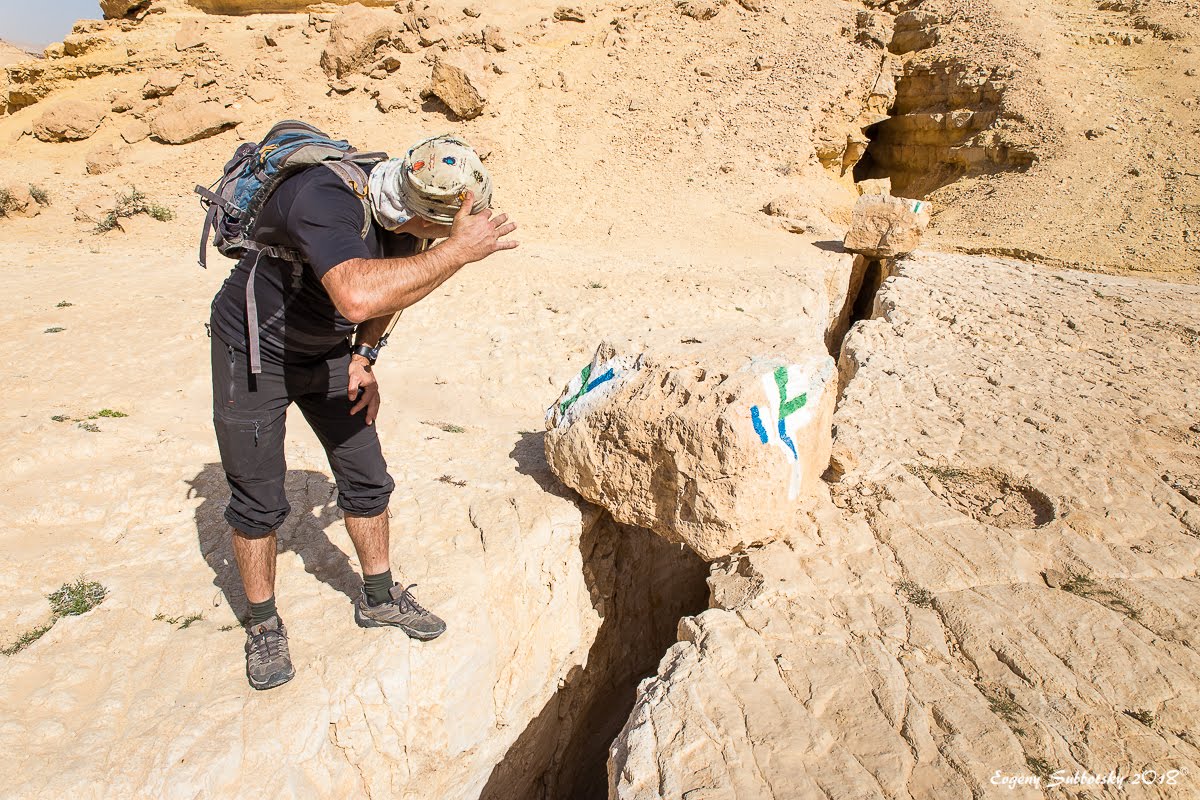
(162, 83)
(1002, 582)
(69, 120)
(17, 201)
(354, 36)
(717, 446)
(886, 227)
(188, 120)
(454, 88)
(124, 9)
(243, 7)
(33, 80)
(553, 611)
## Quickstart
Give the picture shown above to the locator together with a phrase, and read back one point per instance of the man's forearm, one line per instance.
(371, 331)
(373, 288)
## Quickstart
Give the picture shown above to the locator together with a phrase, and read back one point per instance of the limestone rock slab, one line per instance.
(354, 35)
(69, 120)
(453, 86)
(909, 640)
(184, 121)
(885, 226)
(716, 447)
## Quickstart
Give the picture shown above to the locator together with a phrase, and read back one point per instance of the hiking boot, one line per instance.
(402, 611)
(268, 663)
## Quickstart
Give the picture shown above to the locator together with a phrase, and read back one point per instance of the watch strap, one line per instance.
(369, 353)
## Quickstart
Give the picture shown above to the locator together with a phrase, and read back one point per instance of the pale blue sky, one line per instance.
(37, 23)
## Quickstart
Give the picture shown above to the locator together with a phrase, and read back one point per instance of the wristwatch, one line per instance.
(369, 353)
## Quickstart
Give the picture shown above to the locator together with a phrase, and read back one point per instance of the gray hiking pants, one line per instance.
(249, 412)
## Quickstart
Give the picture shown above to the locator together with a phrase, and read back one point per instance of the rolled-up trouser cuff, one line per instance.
(366, 505)
(256, 528)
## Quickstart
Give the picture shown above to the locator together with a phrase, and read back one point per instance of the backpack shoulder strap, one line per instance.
(355, 178)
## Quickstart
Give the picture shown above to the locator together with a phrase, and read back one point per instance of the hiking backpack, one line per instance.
(256, 169)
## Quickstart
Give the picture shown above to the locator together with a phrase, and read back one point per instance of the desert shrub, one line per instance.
(68, 600)
(8, 202)
(39, 195)
(75, 598)
(131, 204)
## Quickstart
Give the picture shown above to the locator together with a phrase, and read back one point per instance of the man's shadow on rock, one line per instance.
(313, 499)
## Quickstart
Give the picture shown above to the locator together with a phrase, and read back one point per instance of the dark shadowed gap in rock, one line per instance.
(866, 276)
(864, 301)
(641, 585)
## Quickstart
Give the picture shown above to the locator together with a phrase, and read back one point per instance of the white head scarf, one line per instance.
(387, 203)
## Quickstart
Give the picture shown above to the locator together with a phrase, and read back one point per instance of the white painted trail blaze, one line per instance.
(793, 395)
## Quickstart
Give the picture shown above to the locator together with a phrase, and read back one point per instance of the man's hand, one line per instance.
(364, 388)
(424, 229)
(474, 237)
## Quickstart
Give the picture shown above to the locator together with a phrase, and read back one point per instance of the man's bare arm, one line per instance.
(370, 332)
(366, 288)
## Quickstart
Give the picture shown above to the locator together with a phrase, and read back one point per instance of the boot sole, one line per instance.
(278, 679)
(366, 622)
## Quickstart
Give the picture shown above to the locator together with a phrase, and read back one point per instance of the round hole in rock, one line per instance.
(992, 496)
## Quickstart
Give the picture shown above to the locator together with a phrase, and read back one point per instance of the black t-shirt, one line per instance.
(317, 214)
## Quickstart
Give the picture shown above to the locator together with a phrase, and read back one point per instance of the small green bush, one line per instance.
(79, 597)
(69, 600)
(39, 195)
(108, 412)
(64, 304)
(130, 204)
(179, 622)
(8, 202)
(916, 594)
(27, 638)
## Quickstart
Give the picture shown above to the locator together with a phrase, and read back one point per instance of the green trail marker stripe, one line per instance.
(583, 382)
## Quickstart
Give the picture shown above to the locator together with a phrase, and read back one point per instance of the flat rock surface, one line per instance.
(907, 644)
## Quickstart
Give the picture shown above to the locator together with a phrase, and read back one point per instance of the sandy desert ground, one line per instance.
(997, 573)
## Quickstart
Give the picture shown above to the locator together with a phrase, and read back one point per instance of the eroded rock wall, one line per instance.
(1002, 581)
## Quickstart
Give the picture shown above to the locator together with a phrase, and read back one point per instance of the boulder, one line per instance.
(162, 83)
(123, 101)
(914, 30)
(124, 9)
(453, 86)
(718, 448)
(134, 130)
(494, 39)
(76, 44)
(797, 215)
(354, 35)
(17, 201)
(886, 227)
(569, 14)
(874, 28)
(874, 186)
(104, 158)
(183, 122)
(190, 34)
(69, 120)
(391, 98)
(698, 9)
